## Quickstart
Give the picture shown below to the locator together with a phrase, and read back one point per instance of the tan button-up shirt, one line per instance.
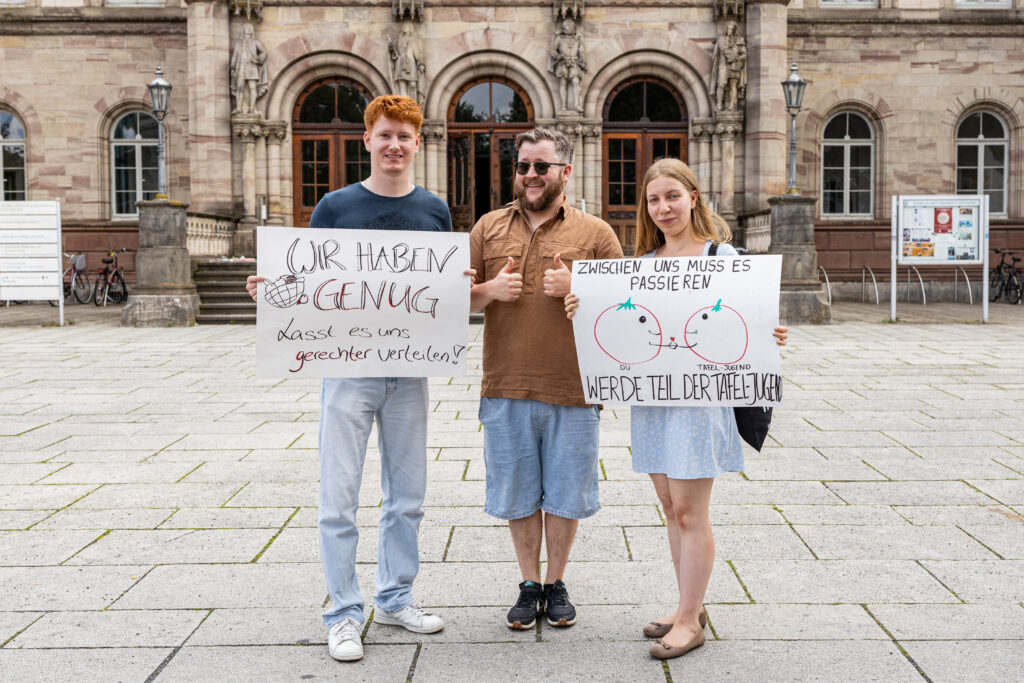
(529, 351)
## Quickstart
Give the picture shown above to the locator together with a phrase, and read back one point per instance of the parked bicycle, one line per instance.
(76, 280)
(110, 284)
(1005, 278)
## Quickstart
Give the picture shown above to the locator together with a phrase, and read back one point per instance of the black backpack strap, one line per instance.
(713, 249)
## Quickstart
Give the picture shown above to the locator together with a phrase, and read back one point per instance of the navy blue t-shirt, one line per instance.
(355, 207)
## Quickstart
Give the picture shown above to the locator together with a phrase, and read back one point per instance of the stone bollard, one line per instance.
(164, 295)
(792, 226)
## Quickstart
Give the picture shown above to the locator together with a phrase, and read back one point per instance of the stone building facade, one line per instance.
(903, 96)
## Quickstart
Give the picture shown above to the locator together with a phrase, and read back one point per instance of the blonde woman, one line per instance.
(682, 448)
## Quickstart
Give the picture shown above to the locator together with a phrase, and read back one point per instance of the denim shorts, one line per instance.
(539, 456)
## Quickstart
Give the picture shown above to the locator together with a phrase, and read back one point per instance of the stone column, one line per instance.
(767, 125)
(164, 294)
(572, 127)
(592, 165)
(432, 135)
(792, 225)
(277, 132)
(728, 127)
(701, 130)
(247, 129)
(716, 164)
(209, 107)
(261, 164)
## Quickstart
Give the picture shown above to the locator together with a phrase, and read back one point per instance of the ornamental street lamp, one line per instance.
(159, 95)
(793, 89)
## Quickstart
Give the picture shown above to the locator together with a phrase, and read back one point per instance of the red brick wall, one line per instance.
(844, 249)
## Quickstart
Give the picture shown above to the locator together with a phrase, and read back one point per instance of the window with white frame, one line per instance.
(12, 157)
(133, 161)
(983, 4)
(135, 3)
(982, 146)
(848, 3)
(848, 168)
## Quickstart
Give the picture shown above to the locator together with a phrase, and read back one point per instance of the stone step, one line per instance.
(236, 297)
(225, 319)
(223, 273)
(219, 281)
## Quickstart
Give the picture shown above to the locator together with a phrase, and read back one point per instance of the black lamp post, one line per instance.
(793, 89)
(160, 95)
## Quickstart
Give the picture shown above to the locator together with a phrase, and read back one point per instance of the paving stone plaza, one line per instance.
(158, 508)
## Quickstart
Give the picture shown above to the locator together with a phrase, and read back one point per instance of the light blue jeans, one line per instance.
(348, 407)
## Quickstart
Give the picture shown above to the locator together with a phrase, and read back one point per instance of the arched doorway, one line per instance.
(327, 142)
(644, 120)
(484, 118)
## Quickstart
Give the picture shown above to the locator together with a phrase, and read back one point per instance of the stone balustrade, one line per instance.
(757, 231)
(209, 235)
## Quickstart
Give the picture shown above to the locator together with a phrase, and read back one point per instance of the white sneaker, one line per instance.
(344, 642)
(411, 618)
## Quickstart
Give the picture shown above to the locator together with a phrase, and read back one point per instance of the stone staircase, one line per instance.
(222, 296)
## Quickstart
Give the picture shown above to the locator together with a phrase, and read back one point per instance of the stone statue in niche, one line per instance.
(728, 83)
(248, 71)
(568, 62)
(408, 73)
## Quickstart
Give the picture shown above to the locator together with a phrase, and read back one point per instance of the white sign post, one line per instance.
(30, 253)
(940, 230)
(679, 331)
(361, 303)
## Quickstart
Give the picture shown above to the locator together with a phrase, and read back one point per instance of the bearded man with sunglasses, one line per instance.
(540, 436)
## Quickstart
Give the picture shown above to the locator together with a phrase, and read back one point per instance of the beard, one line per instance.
(552, 193)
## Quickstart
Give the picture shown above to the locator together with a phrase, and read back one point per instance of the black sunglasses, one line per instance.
(523, 167)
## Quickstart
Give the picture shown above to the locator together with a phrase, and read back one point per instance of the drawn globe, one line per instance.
(285, 291)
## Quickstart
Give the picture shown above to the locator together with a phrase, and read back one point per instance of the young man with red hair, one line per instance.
(386, 200)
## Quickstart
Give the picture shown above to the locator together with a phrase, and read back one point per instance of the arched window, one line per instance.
(12, 159)
(848, 166)
(133, 158)
(327, 141)
(982, 146)
(484, 118)
(644, 120)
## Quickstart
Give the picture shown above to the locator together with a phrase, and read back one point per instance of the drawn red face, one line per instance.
(725, 325)
(628, 333)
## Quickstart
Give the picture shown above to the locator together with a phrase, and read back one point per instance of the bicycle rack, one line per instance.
(828, 286)
(924, 301)
(956, 277)
(864, 272)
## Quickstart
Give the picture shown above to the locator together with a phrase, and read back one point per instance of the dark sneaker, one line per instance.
(560, 610)
(529, 605)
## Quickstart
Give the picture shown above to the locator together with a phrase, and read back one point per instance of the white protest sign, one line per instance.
(679, 331)
(361, 303)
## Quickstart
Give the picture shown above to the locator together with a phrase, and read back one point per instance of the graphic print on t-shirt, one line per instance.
(393, 220)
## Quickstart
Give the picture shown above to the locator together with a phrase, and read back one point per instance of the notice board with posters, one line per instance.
(934, 230)
(30, 253)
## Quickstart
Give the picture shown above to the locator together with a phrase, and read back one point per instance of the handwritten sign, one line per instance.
(679, 331)
(361, 303)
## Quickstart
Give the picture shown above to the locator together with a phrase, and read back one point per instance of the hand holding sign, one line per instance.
(557, 279)
(506, 285)
(252, 285)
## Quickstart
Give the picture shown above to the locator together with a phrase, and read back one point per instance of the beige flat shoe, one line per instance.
(660, 650)
(656, 629)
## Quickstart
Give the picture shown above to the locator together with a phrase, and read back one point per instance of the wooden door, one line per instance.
(322, 164)
(313, 174)
(622, 159)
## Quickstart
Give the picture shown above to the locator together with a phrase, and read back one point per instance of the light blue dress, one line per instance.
(686, 442)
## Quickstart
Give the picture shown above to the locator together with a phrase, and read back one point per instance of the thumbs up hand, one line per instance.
(507, 285)
(557, 279)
